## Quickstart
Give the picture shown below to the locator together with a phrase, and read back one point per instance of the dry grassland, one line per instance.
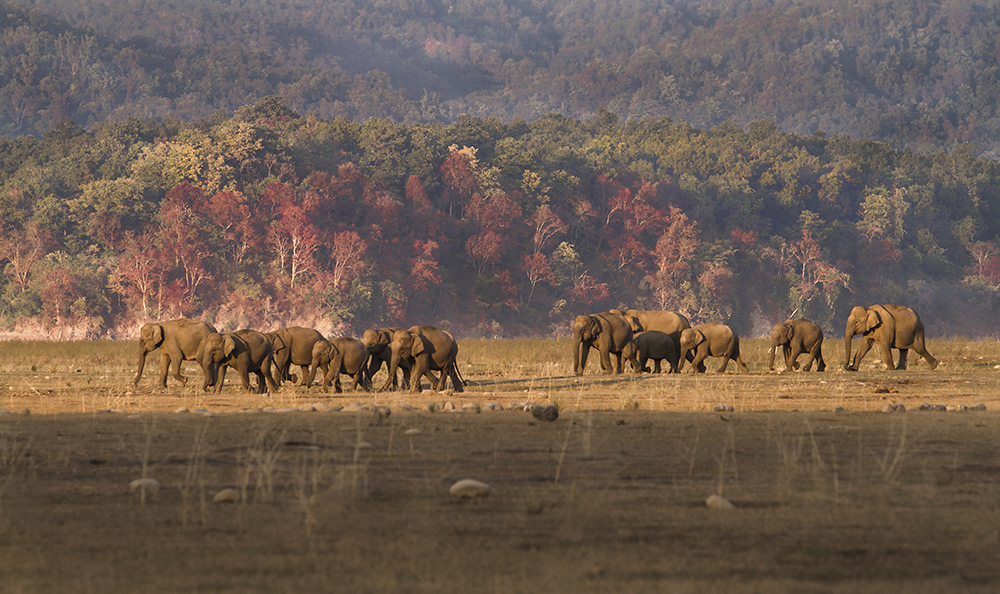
(610, 497)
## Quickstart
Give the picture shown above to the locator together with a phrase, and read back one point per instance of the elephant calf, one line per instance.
(341, 355)
(248, 351)
(796, 337)
(710, 340)
(656, 346)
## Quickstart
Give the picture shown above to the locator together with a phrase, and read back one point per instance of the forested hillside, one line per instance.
(269, 216)
(917, 74)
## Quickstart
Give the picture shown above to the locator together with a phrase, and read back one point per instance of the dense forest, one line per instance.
(268, 216)
(916, 74)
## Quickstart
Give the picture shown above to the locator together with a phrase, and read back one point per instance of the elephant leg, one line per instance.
(818, 356)
(902, 359)
(606, 361)
(698, 363)
(261, 383)
(164, 368)
(455, 380)
(656, 366)
(863, 348)
(305, 373)
(792, 358)
(887, 356)
(220, 378)
(724, 364)
(741, 363)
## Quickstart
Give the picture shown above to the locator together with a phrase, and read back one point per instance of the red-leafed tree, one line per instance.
(21, 249)
(347, 252)
(670, 279)
(137, 271)
(237, 230)
(546, 226)
(538, 270)
(416, 194)
(292, 236)
(423, 268)
(183, 238)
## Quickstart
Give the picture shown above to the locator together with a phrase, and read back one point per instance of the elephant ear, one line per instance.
(157, 334)
(873, 321)
(277, 342)
(789, 332)
(228, 346)
(418, 345)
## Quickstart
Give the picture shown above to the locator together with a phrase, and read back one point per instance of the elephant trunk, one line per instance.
(848, 342)
(142, 364)
(580, 357)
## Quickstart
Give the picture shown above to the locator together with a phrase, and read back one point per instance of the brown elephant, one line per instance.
(796, 337)
(656, 346)
(892, 327)
(426, 349)
(609, 333)
(341, 355)
(178, 340)
(669, 322)
(710, 340)
(378, 342)
(248, 351)
(293, 346)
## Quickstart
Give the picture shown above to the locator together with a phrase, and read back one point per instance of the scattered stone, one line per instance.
(306, 408)
(447, 392)
(723, 408)
(427, 392)
(321, 407)
(978, 407)
(4, 411)
(470, 489)
(149, 485)
(433, 407)
(413, 431)
(200, 410)
(449, 405)
(472, 407)
(182, 409)
(840, 409)
(226, 496)
(406, 406)
(547, 413)
(382, 413)
(716, 502)
(493, 406)
(894, 408)
(354, 407)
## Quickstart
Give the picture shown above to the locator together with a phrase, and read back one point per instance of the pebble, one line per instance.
(226, 496)
(382, 412)
(840, 409)
(470, 489)
(182, 409)
(322, 407)
(978, 407)
(413, 431)
(493, 406)
(723, 408)
(449, 405)
(150, 485)
(547, 413)
(717, 502)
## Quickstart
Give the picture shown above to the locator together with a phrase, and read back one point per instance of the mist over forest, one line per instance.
(497, 166)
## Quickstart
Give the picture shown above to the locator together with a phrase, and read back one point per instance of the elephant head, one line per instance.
(215, 350)
(151, 337)
(781, 335)
(863, 321)
(586, 329)
(406, 346)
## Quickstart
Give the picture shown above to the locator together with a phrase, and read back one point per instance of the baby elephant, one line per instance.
(796, 337)
(710, 340)
(656, 346)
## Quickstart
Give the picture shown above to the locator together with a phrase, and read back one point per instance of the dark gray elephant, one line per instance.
(892, 327)
(796, 337)
(710, 340)
(293, 346)
(425, 349)
(178, 340)
(248, 351)
(609, 333)
(656, 346)
(345, 355)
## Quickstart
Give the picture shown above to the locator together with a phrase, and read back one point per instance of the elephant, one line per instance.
(378, 342)
(426, 349)
(796, 337)
(248, 351)
(293, 346)
(656, 346)
(892, 327)
(178, 340)
(609, 333)
(710, 340)
(669, 322)
(341, 355)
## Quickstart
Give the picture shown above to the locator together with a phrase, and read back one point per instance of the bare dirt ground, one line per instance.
(611, 496)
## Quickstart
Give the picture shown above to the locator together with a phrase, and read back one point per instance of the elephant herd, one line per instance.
(639, 336)
(416, 352)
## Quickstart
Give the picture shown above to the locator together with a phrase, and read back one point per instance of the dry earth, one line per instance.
(611, 496)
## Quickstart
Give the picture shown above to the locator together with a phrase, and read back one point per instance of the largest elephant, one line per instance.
(610, 333)
(892, 327)
(668, 322)
(177, 340)
(425, 348)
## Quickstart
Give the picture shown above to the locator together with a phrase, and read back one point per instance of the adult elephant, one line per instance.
(293, 346)
(342, 355)
(710, 340)
(892, 327)
(796, 337)
(656, 346)
(609, 333)
(669, 322)
(248, 351)
(425, 349)
(177, 340)
(378, 341)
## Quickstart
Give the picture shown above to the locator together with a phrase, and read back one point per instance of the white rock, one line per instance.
(226, 496)
(470, 489)
(716, 502)
(978, 407)
(149, 485)
(493, 406)
(181, 409)
(413, 431)
(449, 405)
(306, 408)
(723, 408)
(321, 407)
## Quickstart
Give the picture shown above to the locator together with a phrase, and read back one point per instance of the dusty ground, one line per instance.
(611, 496)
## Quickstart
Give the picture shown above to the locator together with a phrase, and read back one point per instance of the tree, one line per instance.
(537, 269)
